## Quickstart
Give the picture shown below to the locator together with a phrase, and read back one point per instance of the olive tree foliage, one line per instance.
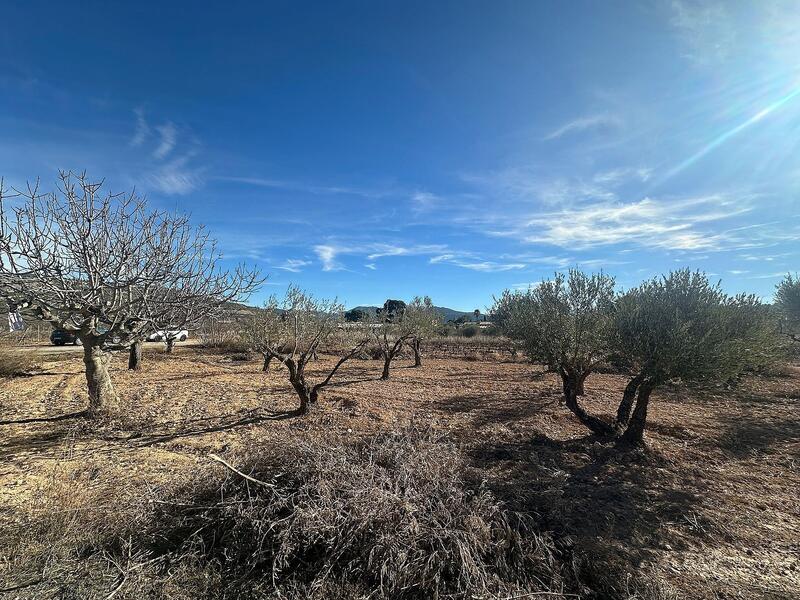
(681, 326)
(787, 302)
(422, 319)
(565, 323)
(105, 266)
(292, 330)
(390, 331)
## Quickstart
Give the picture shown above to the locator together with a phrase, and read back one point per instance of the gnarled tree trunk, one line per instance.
(634, 434)
(387, 361)
(573, 387)
(101, 390)
(135, 356)
(170, 345)
(625, 406)
(415, 345)
(267, 360)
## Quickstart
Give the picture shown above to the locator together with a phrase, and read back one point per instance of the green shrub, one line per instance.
(469, 331)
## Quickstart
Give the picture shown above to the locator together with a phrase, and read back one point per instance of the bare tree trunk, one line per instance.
(303, 393)
(135, 356)
(170, 345)
(625, 406)
(387, 361)
(634, 434)
(417, 354)
(267, 360)
(101, 390)
(573, 384)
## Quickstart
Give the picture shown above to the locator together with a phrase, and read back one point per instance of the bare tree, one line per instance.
(422, 320)
(104, 266)
(293, 329)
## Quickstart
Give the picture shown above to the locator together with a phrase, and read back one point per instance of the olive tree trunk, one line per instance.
(267, 360)
(634, 434)
(101, 390)
(573, 387)
(135, 356)
(415, 345)
(625, 406)
(170, 345)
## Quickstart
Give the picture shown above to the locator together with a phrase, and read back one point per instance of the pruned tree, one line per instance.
(787, 302)
(292, 329)
(104, 266)
(681, 326)
(423, 321)
(565, 323)
(390, 331)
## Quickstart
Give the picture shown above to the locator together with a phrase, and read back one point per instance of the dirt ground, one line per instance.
(711, 508)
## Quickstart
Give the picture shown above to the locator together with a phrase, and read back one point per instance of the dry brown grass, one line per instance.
(709, 511)
(15, 362)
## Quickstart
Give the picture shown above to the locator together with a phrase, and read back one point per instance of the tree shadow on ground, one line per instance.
(749, 433)
(73, 415)
(225, 425)
(585, 491)
(497, 411)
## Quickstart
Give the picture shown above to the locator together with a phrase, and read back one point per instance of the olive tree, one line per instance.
(105, 267)
(787, 301)
(422, 319)
(390, 330)
(292, 330)
(565, 323)
(681, 326)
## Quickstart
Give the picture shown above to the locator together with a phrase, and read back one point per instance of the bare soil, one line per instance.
(711, 508)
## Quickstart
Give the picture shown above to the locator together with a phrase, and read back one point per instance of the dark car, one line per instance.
(59, 337)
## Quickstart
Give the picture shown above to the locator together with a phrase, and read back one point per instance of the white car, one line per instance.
(161, 335)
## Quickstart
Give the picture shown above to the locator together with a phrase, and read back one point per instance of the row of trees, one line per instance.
(676, 327)
(292, 330)
(109, 269)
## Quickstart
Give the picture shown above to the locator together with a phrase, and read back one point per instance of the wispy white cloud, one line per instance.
(673, 224)
(465, 261)
(168, 138)
(422, 202)
(592, 123)
(307, 187)
(371, 266)
(380, 250)
(142, 131)
(294, 265)
(177, 177)
(706, 30)
(327, 255)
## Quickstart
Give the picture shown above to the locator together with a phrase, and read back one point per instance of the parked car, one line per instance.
(59, 337)
(179, 335)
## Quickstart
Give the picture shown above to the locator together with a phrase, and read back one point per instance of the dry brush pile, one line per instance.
(396, 515)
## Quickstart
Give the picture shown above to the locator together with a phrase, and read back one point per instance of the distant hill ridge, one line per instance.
(447, 314)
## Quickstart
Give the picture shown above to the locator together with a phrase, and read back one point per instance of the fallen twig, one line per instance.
(238, 472)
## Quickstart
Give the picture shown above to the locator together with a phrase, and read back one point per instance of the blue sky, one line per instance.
(368, 150)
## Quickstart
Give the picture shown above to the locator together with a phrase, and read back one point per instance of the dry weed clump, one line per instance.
(390, 517)
(15, 362)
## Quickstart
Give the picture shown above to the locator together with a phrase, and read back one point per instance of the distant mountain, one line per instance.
(447, 314)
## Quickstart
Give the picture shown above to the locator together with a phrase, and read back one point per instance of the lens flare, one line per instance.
(720, 140)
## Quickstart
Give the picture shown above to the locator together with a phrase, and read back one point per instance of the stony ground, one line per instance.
(711, 508)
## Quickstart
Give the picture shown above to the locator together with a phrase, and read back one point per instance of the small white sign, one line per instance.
(15, 321)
